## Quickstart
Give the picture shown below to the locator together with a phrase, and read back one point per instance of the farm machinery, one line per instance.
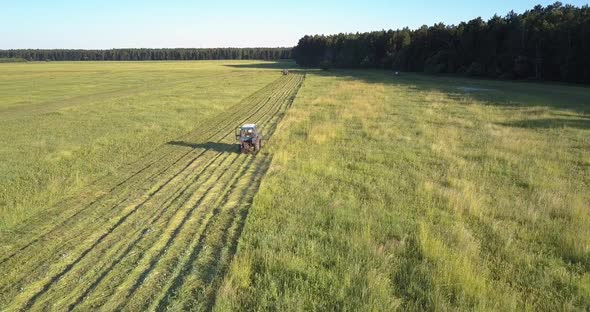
(249, 138)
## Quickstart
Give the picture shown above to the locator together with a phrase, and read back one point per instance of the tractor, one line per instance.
(249, 138)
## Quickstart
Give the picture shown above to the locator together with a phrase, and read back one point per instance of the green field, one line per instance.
(64, 125)
(121, 189)
(424, 194)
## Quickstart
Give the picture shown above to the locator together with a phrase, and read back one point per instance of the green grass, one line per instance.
(158, 231)
(64, 125)
(421, 193)
(121, 189)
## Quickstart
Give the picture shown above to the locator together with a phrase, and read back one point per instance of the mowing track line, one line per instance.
(179, 209)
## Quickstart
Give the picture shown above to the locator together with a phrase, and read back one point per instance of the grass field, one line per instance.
(121, 190)
(157, 231)
(64, 125)
(424, 194)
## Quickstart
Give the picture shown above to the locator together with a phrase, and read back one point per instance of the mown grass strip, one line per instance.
(269, 111)
(215, 130)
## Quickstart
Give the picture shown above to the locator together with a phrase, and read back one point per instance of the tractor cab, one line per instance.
(246, 132)
(249, 138)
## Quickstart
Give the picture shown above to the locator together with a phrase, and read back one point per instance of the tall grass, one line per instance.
(421, 193)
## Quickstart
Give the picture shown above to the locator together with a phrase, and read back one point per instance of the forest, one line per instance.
(544, 43)
(147, 54)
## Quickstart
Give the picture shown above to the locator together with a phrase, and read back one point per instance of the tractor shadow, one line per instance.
(213, 146)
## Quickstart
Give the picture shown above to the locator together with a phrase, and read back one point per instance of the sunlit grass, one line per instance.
(63, 125)
(157, 234)
(384, 192)
(423, 194)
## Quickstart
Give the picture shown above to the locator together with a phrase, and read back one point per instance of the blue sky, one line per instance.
(177, 23)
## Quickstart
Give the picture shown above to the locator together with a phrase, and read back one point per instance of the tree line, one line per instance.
(549, 43)
(147, 54)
